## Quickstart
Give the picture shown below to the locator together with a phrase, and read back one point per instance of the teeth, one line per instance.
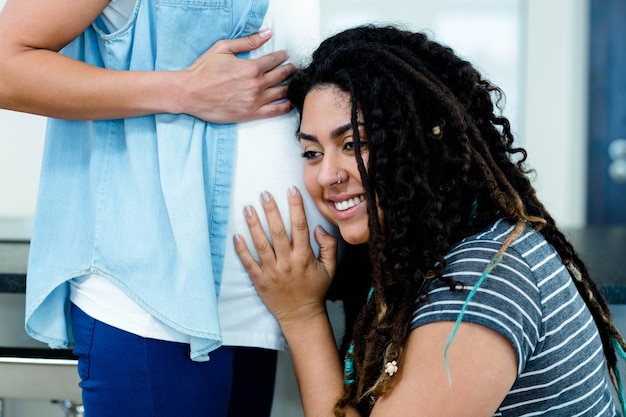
(346, 204)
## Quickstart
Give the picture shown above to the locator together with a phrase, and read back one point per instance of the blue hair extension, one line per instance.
(620, 387)
(473, 213)
(459, 318)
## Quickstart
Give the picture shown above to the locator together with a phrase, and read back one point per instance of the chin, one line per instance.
(354, 231)
(355, 238)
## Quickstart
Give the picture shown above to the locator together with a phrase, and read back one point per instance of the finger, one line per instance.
(268, 63)
(262, 246)
(246, 43)
(274, 94)
(272, 110)
(278, 233)
(247, 260)
(278, 75)
(299, 224)
(328, 250)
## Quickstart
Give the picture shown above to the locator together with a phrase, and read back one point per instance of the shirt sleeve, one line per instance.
(507, 301)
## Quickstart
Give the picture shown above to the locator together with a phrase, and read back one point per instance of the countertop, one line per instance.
(15, 234)
(13, 259)
(602, 248)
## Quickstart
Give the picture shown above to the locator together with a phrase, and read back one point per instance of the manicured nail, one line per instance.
(266, 196)
(265, 33)
(292, 190)
(248, 210)
(237, 239)
(321, 230)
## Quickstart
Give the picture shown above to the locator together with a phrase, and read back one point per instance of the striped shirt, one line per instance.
(529, 298)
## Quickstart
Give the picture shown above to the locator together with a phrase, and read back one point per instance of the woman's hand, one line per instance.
(289, 278)
(221, 88)
(293, 284)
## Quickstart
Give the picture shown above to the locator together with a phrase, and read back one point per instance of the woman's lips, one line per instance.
(344, 205)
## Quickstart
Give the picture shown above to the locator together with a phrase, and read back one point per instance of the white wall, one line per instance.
(21, 147)
(555, 104)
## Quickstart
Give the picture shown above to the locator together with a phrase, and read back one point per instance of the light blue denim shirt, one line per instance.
(141, 201)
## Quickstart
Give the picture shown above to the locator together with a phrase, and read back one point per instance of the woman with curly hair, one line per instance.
(469, 300)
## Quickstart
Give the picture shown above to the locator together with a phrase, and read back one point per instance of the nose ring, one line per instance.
(338, 178)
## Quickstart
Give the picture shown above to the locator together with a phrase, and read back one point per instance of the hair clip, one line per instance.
(574, 271)
(391, 368)
(438, 129)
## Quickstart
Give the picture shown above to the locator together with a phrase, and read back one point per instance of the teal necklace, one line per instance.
(348, 361)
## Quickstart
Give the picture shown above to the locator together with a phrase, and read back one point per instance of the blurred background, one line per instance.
(565, 87)
(536, 50)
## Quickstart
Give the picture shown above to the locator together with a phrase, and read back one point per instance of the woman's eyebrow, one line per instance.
(334, 134)
(305, 136)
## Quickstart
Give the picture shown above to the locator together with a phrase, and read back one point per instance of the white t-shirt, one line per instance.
(267, 159)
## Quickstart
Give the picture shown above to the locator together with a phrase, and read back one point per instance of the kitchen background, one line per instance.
(536, 50)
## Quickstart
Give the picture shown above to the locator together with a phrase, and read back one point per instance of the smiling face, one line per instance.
(328, 149)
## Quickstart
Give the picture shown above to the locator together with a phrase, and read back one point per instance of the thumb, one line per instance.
(328, 250)
(250, 42)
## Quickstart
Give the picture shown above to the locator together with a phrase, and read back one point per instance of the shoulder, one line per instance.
(525, 255)
(505, 298)
(482, 254)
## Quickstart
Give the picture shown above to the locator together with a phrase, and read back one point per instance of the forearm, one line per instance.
(44, 82)
(317, 365)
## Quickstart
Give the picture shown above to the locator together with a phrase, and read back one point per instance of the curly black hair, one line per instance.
(437, 148)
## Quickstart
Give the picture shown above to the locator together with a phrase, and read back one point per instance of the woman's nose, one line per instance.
(332, 174)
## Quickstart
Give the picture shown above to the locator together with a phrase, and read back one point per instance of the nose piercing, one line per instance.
(338, 178)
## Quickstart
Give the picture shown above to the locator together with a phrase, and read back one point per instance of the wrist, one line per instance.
(170, 92)
(302, 320)
(148, 93)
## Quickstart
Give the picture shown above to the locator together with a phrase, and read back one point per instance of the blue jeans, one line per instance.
(123, 374)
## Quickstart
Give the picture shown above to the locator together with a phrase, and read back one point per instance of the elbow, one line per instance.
(7, 81)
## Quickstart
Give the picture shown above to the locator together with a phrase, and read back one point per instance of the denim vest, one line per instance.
(141, 201)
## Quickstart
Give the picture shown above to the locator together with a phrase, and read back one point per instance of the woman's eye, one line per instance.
(349, 146)
(311, 154)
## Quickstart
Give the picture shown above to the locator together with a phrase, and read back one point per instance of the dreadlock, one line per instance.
(436, 149)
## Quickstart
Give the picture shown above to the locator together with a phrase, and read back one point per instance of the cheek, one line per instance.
(366, 158)
(312, 185)
(316, 191)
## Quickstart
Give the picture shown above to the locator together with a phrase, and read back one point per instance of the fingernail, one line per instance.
(293, 191)
(265, 33)
(248, 210)
(237, 239)
(265, 196)
(321, 230)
